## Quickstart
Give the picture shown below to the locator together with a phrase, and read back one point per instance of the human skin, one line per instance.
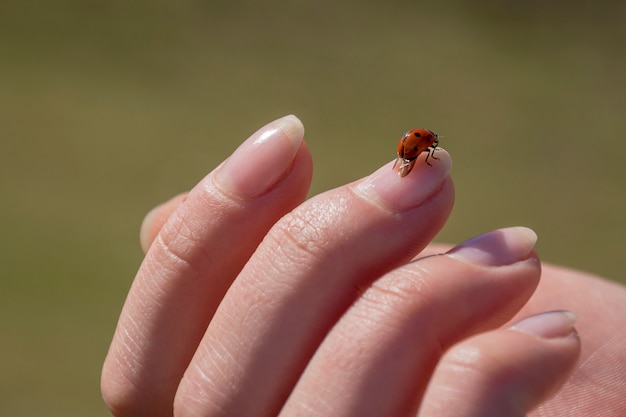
(597, 386)
(252, 301)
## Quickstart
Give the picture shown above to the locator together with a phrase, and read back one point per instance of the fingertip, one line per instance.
(549, 325)
(387, 189)
(504, 372)
(262, 160)
(497, 248)
(293, 129)
(145, 231)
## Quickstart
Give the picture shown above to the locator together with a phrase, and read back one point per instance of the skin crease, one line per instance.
(597, 386)
(596, 302)
(601, 373)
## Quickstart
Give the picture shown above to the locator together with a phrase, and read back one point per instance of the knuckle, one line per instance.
(408, 287)
(181, 243)
(310, 234)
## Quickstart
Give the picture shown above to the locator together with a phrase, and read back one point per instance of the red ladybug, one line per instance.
(412, 144)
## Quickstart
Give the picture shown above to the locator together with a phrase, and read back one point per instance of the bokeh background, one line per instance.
(110, 107)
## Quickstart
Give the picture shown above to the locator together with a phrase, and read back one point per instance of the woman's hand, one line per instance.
(253, 302)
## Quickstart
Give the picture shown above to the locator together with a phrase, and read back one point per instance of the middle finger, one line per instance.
(304, 275)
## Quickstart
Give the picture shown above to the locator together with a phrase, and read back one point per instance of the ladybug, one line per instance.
(412, 144)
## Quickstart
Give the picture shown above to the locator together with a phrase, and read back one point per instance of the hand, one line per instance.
(598, 384)
(253, 302)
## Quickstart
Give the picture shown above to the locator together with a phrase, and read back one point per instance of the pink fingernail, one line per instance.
(496, 248)
(549, 325)
(262, 159)
(144, 230)
(387, 189)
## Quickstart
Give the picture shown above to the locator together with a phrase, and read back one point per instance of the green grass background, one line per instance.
(110, 107)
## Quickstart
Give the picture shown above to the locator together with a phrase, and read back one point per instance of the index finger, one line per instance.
(196, 255)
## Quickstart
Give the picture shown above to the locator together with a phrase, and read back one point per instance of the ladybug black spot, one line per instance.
(415, 148)
(417, 135)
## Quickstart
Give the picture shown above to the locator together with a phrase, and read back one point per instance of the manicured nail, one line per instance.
(144, 230)
(392, 192)
(262, 159)
(497, 248)
(549, 325)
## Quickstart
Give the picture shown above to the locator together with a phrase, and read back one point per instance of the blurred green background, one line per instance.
(110, 107)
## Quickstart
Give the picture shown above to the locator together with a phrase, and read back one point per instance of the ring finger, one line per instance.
(378, 359)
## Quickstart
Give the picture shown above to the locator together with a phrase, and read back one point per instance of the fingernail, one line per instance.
(144, 230)
(549, 325)
(262, 159)
(387, 189)
(497, 248)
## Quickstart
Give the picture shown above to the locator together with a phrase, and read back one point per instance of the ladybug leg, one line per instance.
(406, 167)
(403, 164)
(430, 153)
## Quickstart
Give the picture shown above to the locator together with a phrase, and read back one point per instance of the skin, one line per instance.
(253, 301)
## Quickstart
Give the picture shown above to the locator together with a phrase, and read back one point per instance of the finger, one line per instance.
(156, 218)
(598, 385)
(305, 274)
(434, 249)
(506, 372)
(378, 359)
(193, 260)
